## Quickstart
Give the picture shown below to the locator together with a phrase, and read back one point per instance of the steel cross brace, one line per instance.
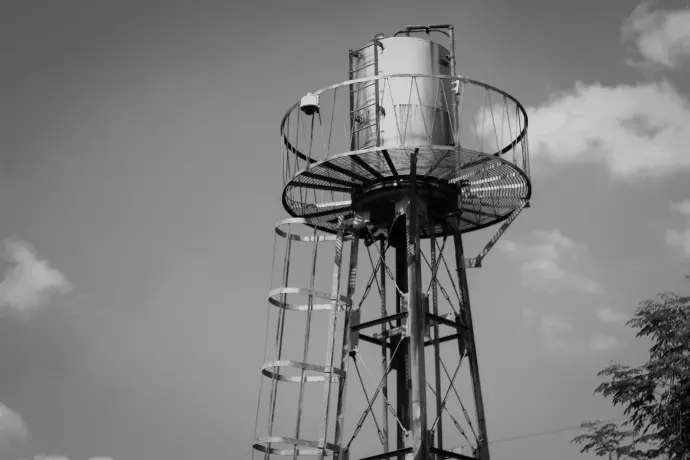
(476, 262)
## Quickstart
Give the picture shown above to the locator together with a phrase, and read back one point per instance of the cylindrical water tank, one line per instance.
(413, 111)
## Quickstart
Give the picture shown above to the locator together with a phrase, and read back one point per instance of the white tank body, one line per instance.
(414, 112)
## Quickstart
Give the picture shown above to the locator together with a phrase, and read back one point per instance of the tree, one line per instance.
(655, 395)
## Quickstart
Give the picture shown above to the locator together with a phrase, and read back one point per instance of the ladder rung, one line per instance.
(371, 125)
(363, 67)
(362, 87)
(389, 333)
(363, 107)
(362, 48)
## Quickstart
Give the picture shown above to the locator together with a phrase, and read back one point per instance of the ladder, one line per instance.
(359, 121)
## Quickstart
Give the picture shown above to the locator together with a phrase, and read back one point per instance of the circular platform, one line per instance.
(486, 188)
(478, 175)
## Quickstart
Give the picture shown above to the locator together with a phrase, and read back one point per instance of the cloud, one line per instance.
(556, 335)
(600, 343)
(680, 238)
(12, 426)
(543, 270)
(553, 329)
(30, 282)
(609, 315)
(633, 129)
(683, 207)
(661, 37)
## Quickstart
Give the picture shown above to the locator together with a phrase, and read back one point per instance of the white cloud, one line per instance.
(12, 426)
(556, 336)
(680, 238)
(633, 130)
(543, 270)
(553, 330)
(30, 281)
(600, 343)
(507, 246)
(609, 315)
(683, 207)
(662, 37)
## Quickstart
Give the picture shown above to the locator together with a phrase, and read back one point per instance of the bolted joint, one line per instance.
(377, 40)
(354, 333)
(404, 307)
(402, 207)
(361, 220)
(425, 319)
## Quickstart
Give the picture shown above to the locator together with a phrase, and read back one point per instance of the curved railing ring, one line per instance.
(303, 447)
(335, 375)
(518, 138)
(343, 300)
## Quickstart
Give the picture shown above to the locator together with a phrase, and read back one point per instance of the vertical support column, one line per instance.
(351, 319)
(307, 334)
(330, 346)
(455, 117)
(483, 445)
(401, 363)
(437, 348)
(451, 39)
(416, 324)
(384, 350)
(352, 91)
(279, 344)
(377, 43)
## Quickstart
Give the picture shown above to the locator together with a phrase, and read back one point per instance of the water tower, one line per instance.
(370, 342)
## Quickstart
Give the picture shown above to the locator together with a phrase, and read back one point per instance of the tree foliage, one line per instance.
(655, 395)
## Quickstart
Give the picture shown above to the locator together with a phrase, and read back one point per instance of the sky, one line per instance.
(140, 183)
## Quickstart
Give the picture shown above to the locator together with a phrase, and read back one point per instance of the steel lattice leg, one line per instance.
(466, 313)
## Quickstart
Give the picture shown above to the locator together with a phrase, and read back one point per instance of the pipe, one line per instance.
(384, 350)
(441, 28)
(415, 319)
(401, 369)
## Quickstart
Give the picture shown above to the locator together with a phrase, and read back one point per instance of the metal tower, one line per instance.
(380, 172)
